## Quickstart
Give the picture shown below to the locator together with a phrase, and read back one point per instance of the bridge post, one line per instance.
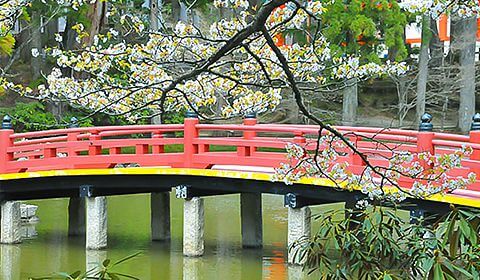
(5, 143)
(193, 227)
(96, 222)
(425, 137)
(95, 149)
(299, 231)
(475, 138)
(250, 119)
(251, 216)
(10, 218)
(10, 256)
(160, 216)
(76, 216)
(190, 133)
(72, 137)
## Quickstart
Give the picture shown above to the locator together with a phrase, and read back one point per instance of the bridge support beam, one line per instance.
(76, 216)
(96, 222)
(299, 229)
(160, 216)
(251, 216)
(193, 227)
(10, 222)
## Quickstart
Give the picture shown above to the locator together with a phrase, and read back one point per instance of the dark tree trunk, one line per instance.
(423, 68)
(467, 42)
(436, 46)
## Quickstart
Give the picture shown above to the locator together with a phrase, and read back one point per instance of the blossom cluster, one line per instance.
(116, 77)
(430, 173)
(434, 8)
(9, 11)
(242, 4)
(351, 68)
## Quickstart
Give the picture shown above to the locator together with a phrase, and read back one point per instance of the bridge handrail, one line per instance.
(85, 147)
(99, 129)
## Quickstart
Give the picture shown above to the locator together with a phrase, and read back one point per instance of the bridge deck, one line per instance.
(111, 181)
(55, 163)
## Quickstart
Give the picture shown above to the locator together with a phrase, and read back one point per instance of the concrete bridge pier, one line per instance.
(10, 257)
(193, 227)
(10, 224)
(160, 216)
(96, 222)
(93, 261)
(76, 216)
(251, 216)
(299, 228)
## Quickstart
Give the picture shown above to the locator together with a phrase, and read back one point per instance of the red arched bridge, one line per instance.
(238, 157)
(87, 164)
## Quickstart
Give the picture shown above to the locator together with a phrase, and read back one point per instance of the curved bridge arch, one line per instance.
(200, 160)
(251, 149)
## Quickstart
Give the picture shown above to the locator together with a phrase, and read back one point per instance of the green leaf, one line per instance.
(127, 276)
(464, 227)
(438, 272)
(454, 244)
(6, 44)
(106, 262)
(127, 258)
(387, 277)
(75, 274)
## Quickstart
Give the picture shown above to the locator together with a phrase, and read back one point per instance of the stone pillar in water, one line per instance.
(193, 227)
(94, 260)
(96, 222)
(76, 216)
(251, 216)
(298, 229)
(160, 216)
(10, 222)
(295, 272)
(10, 262)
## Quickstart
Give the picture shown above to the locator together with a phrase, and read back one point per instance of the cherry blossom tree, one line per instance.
(240, 64)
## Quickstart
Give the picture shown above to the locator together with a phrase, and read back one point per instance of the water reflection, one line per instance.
(192, 268)
(129, 232)
(10, 262)
(274, 265)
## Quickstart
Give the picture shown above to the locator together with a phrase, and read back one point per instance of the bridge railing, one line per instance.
(88, 147)
(196, 146)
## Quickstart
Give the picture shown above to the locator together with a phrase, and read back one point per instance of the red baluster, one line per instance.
(5, 143)
(475, 139)
(189, 134)
(157, 149)
(95, 148)
(49, 152)
(425, 138)
(355, 158)
(72, 137)
(299, 138)
(141, 149)
(251, 120)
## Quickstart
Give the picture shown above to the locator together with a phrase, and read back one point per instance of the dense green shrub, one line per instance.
(376, 243)
(34, 116)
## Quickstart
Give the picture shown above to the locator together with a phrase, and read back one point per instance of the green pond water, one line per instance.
(129, 232)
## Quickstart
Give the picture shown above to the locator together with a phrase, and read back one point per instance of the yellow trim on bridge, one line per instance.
(163, 170)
